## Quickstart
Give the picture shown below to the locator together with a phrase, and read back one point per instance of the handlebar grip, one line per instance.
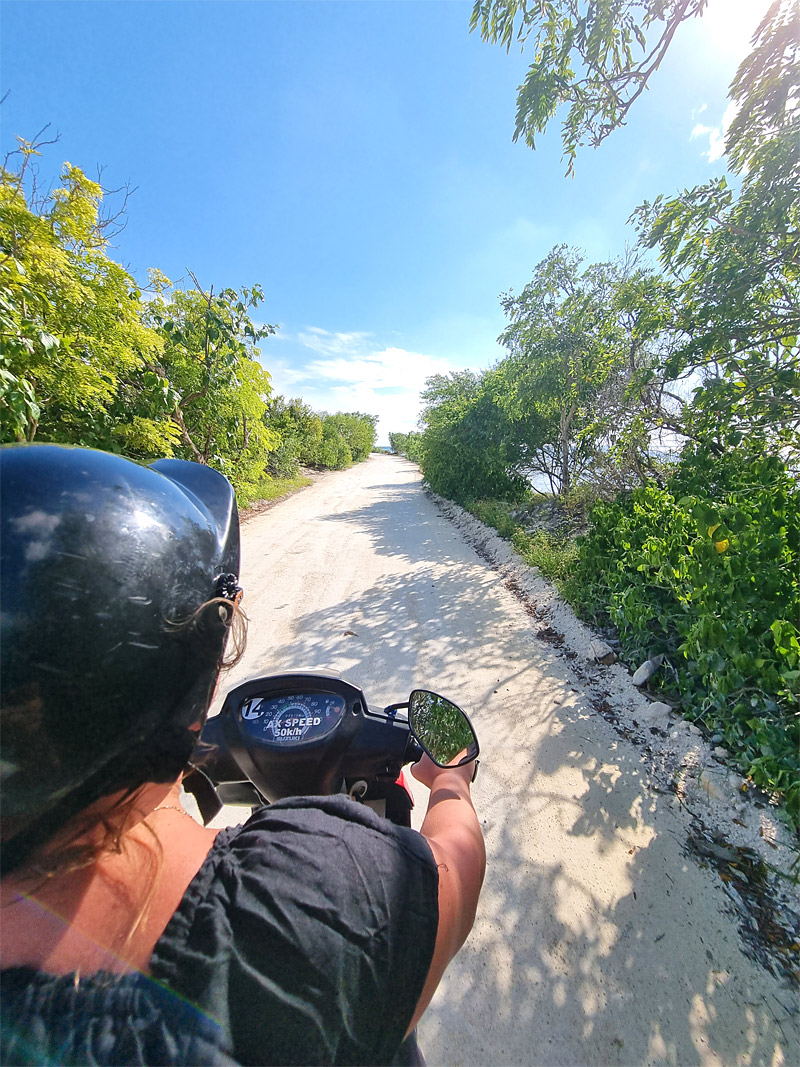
(414, 750)
(213, 757)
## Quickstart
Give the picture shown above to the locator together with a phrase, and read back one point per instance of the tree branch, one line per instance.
(178, 418)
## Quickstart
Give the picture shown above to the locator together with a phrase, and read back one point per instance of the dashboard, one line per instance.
(292, 719)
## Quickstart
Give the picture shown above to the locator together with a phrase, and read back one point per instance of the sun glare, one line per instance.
(732, 23)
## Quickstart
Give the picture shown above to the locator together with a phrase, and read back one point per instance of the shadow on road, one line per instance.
(388, 521)
(597, 941)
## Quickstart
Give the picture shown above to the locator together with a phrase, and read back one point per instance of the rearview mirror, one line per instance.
(442, 728)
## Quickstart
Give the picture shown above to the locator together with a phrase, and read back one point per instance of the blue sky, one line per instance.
(353, 158)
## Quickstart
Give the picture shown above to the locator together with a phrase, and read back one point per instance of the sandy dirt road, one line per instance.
(598, 940)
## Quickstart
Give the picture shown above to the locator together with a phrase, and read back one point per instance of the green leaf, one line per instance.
(48, 340)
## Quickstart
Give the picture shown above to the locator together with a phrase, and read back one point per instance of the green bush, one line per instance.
(332, 451)
(495, 513)
(706, 571)
(462, 451)
(342, 439)
(274, 488)
(356, 429)
(461, 469)
(406, 444)
(554, 556)
(284, 461)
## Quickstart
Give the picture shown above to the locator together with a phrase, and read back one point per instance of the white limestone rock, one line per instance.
(718, 784)
(602, 653)
(656, 714)
(647, 670)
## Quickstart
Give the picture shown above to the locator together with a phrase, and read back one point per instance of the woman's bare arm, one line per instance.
(453, 832)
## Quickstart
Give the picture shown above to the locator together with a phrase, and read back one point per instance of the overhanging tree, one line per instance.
(215, 386)
(70, 317)
(735, 259)
(595, 57)
(565, 346)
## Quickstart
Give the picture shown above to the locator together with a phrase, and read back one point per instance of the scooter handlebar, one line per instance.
(414, 750)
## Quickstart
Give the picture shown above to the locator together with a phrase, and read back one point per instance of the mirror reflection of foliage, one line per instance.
(440, 726)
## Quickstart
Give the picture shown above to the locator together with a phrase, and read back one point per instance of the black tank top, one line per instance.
(305, 938)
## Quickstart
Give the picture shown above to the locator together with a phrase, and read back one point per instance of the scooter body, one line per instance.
(313, 733)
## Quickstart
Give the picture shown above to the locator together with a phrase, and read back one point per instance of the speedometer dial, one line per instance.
(292, 719)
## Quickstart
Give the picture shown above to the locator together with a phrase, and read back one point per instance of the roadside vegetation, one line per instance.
(639, 442)
(90, 357)
(273, 488)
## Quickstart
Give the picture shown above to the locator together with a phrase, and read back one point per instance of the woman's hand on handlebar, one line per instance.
(426, 771)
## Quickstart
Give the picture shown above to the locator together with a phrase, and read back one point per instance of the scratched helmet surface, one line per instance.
(104, 652)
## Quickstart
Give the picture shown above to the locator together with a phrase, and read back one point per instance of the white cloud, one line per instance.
(716, 134)
(390, 368)
(332, 344)
(397, 413)
(284, 376)
(356, 377)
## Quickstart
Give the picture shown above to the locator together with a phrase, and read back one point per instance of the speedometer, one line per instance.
(292, 719)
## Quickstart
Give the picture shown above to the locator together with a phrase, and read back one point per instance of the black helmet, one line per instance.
(104, 652)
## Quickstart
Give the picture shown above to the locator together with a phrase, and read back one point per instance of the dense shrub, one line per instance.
(356, 430)
(705, 570)
(406, 444)
(299, 432)
(495, 513)
(462, 450)
(553, 554)
(332, 451)
(455, 469)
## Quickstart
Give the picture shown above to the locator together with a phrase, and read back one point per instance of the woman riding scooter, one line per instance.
(314, 933)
